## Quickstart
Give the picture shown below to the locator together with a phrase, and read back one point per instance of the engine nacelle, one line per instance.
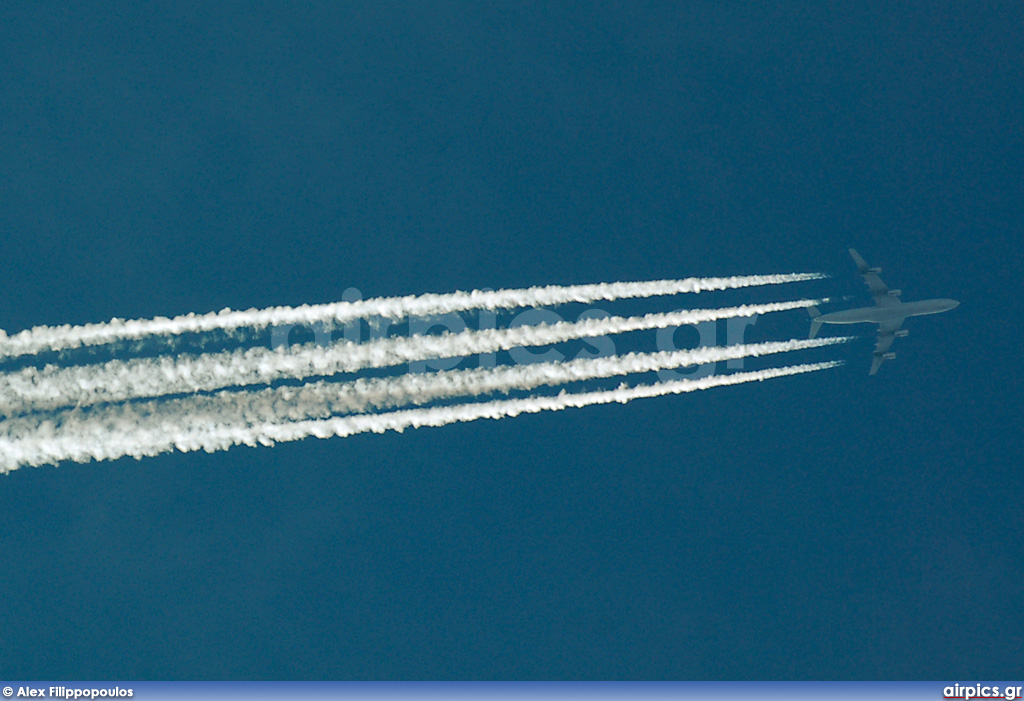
(895, 293)
(888, 356)
(902, 333)
(876, 271)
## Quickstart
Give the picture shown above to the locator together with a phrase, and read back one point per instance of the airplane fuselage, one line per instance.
(881, 315)
(889, 312)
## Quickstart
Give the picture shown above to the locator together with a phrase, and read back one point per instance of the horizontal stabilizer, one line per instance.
(815, 324)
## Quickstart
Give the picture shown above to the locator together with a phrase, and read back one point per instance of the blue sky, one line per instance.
(178, 157)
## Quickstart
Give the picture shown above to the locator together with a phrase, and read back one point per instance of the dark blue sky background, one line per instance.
(172, 157)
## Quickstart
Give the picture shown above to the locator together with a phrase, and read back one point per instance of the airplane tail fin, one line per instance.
(815, 324)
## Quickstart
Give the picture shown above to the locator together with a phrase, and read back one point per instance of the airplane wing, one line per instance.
(886, 335)
(875, 362)
(879, 290)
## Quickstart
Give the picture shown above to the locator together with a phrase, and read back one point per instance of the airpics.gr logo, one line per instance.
(978, 691)
(444, 341)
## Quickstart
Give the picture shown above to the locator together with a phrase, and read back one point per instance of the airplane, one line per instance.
(888, 312)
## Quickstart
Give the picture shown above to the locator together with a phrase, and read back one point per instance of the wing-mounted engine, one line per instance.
(888, 356)
(876, 271)
(895, 293)
(902, 333)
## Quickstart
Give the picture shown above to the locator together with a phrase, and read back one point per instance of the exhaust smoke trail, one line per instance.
(83, 439)
(53, 387)
(56, 338)
(325, 398)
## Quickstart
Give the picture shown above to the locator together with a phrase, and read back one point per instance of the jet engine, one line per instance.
(902, 333)
(895, 293)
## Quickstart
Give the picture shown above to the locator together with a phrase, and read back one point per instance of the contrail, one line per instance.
(325, 398)
(95, 440)
(53, 387)
(55, 338)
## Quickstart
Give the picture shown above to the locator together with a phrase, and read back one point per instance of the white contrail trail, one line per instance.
(92, 440)
(54, 338)
(52, 387)
(324, 398)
